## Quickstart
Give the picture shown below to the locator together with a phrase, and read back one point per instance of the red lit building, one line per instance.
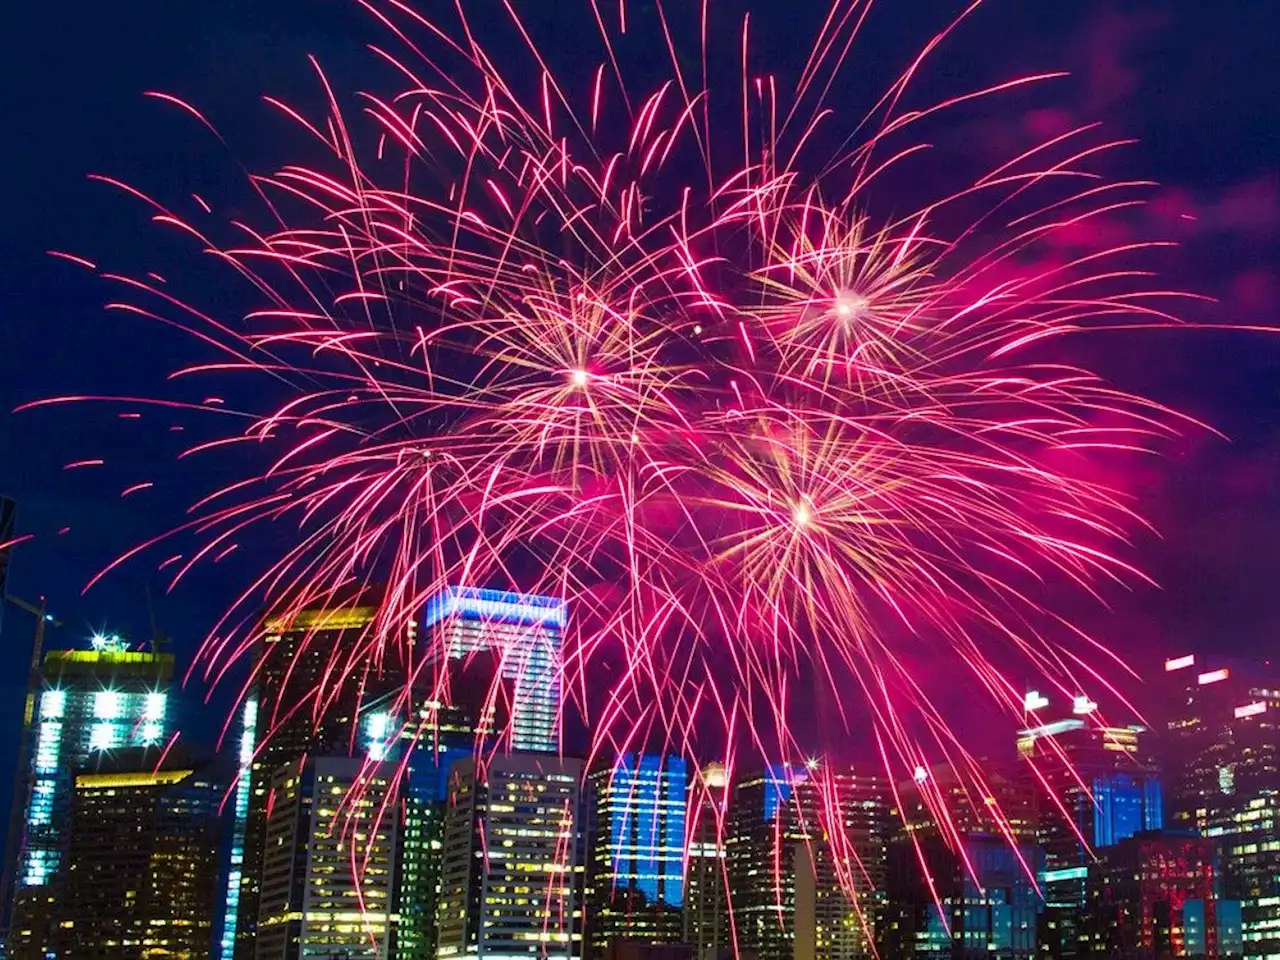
(1158, 895)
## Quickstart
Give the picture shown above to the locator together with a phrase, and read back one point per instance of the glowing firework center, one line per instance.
(527, 632)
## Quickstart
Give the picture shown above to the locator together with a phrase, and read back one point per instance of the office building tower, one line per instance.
(308, 650)
(1159, 894)
(706, 904)
(91, 702)
(512, 875)
(1095, 785)
(803, 853)
(328, 872)
(479, 703)
(848, 817)
(527, 632)
(961, 898)
(1222, 726)
(141, 877)
(636, 866)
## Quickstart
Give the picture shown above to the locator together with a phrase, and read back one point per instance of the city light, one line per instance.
(1179, 663)
(1213, 676)
(108, 705)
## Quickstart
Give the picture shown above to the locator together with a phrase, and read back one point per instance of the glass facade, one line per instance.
(637, 861)
(526, 631)
(92, 702)
(235, 872)
(512, 874)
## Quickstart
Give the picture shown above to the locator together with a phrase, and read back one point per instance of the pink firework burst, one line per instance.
(660, 352)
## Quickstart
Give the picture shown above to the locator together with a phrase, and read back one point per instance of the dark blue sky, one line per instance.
(1194, 80)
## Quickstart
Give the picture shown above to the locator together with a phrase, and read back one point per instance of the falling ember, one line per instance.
(469, 345)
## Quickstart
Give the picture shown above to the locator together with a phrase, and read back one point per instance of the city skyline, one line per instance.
(552, 480)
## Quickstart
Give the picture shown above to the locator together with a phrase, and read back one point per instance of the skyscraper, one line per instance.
(328, 871)
(962, 898)
(91, 702)
(527, 632)
(142, 861)
(299, 654)
(1222, 723)
(847, 813)
(706, 911)
(636, 868)
(1159, 894)
(804, 855)
(479, 704)
(512, 874)
(1095, 785)
(963, 870)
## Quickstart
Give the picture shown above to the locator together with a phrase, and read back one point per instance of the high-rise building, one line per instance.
(141, 877)
(804, 856)
(636, 868)
(302, 653)
(91, 702)
(527, 632)
(1222, 725)
(1160, 895)
(328, 873)
(961, 898)
(964, 868)
(512, 875)
(1095, 785)
(847, 815)
(706, 904)
(444, 733)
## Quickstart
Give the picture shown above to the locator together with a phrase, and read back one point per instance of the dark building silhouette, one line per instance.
(141, 878)
(963, 870)
(706, 903)
(1094, 785)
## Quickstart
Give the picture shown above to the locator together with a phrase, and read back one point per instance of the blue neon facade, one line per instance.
(646, 812)
(526, 631)
(1123, 805)
(227, 945)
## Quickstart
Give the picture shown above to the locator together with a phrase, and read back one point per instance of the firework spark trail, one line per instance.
(746, 427)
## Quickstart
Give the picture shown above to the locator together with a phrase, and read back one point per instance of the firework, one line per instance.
(661, 352)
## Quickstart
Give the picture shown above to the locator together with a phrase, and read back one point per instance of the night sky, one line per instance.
(1194, 80)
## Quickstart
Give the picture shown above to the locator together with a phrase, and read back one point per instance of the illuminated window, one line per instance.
(108, 705)
(53, 703)
(153, 709)
(47, 743)
(104, 736)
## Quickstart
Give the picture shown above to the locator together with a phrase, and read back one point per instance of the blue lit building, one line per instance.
(977, 900)
(526, 631)
(91, 702)
(235, 872)
(636, 870)
(1107, 780)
